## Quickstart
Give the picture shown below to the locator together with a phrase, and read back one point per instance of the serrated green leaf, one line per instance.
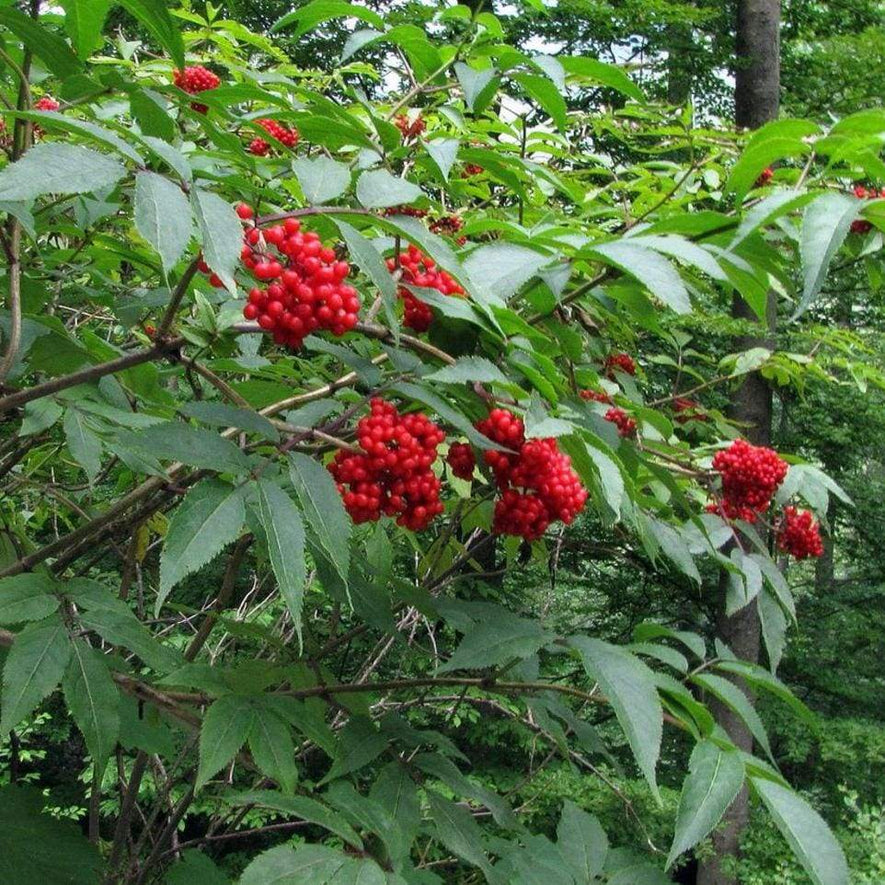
(83, 443)
(714, 779)
(284, 533)
(806, 831)
(730, 695)
(222, 415)
(33, 668)
(630, 687)
(58, 168)
(162, 216)
(323, 510)
(225, 728)
(222, 234)
(194, 446)
(27, 597)
(497, 642)
(582, 841)
(378, 189)
(443, 152)
(210, 517)
(321, 178)
(154, 15)
(52, 49)
(458, 831)
(93, 701)
(272, 748)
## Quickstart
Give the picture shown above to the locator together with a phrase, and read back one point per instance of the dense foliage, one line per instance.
(367, 474)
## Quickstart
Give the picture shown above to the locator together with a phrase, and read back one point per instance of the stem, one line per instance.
(92, 373)
(175, 301)
(15, 300)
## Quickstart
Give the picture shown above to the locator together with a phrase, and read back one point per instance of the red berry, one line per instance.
(196, 79)
(420, 270)
(537, 480)
(47, 103)
(471, 169)
(621, 361)
(245, 212)
(462, 461)
(688, 410)
(799, 534)
(625, 424)
(596, 396)
(750, 477)
(393, 475)
(764, 177)
(410, 129)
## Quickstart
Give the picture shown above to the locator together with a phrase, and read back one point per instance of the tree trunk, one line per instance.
(757, 90)
(679, 66)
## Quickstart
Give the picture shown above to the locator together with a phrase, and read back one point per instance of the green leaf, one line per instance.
(83, 22)
(52, 49)
(774, 626)
(56, 167)
(210, 517)
(806, 831)
(396, 791)
(497, 642)
(310, 15)
(93, 701)
(154, 15)
(730, 695)
(194, 446)
(443, 152)
(547, 95)
(39, 849)
(149, 110)
(162, 216)
(477, 85)
(601, 72)
(304, 808)
(222, 415)
(378, 189)
(502, 269)
(321, 179)
(222, 234)
(323, 510)
(311, 865)
(119, 626)
(272, 748)
(27, 597)
(630, 688)
(760, 678)
(714, 779)
(647, 266)
(83, 443)
(760, 154)
(284, 532)
(468, 369)
(825, 225)
(458, 831)
(359, 743)
(446, 771)
(225, 728)
(582, 842)
(173, 158)
(364, 254)
(34, 667)
(195, 868)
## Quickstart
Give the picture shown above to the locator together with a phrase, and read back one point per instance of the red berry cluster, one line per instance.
(410, 128)
(420, 270)
(625, 424)
(405, 210)
(307, 289)
(596, 396)
(687, 410)
(861, 225)
(550, 487)
(764, 177)
(46, 103)
(284, 135)
(462, 460)
(750, 477)
(394, 475)
(194, 80)
(622, 361)
(449, 225)
(471, 169)
(799, 534)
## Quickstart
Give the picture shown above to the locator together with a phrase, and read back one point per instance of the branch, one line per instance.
(15, 299)
(92, 373)
(175, 300)
(310, 210)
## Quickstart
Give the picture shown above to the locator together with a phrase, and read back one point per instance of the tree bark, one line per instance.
(679, 66)
(757, 91)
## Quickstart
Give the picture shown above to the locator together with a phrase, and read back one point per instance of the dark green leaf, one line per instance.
(27, 597)
(52, 50)
(272, 748)
(210, 517)
(222, 234)
(162, 216)
(154, 15)
(222, 415)
(582, 842)
(225, 728)
(33, 668)
(497, 642)
(321, 178)
(378, 189)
